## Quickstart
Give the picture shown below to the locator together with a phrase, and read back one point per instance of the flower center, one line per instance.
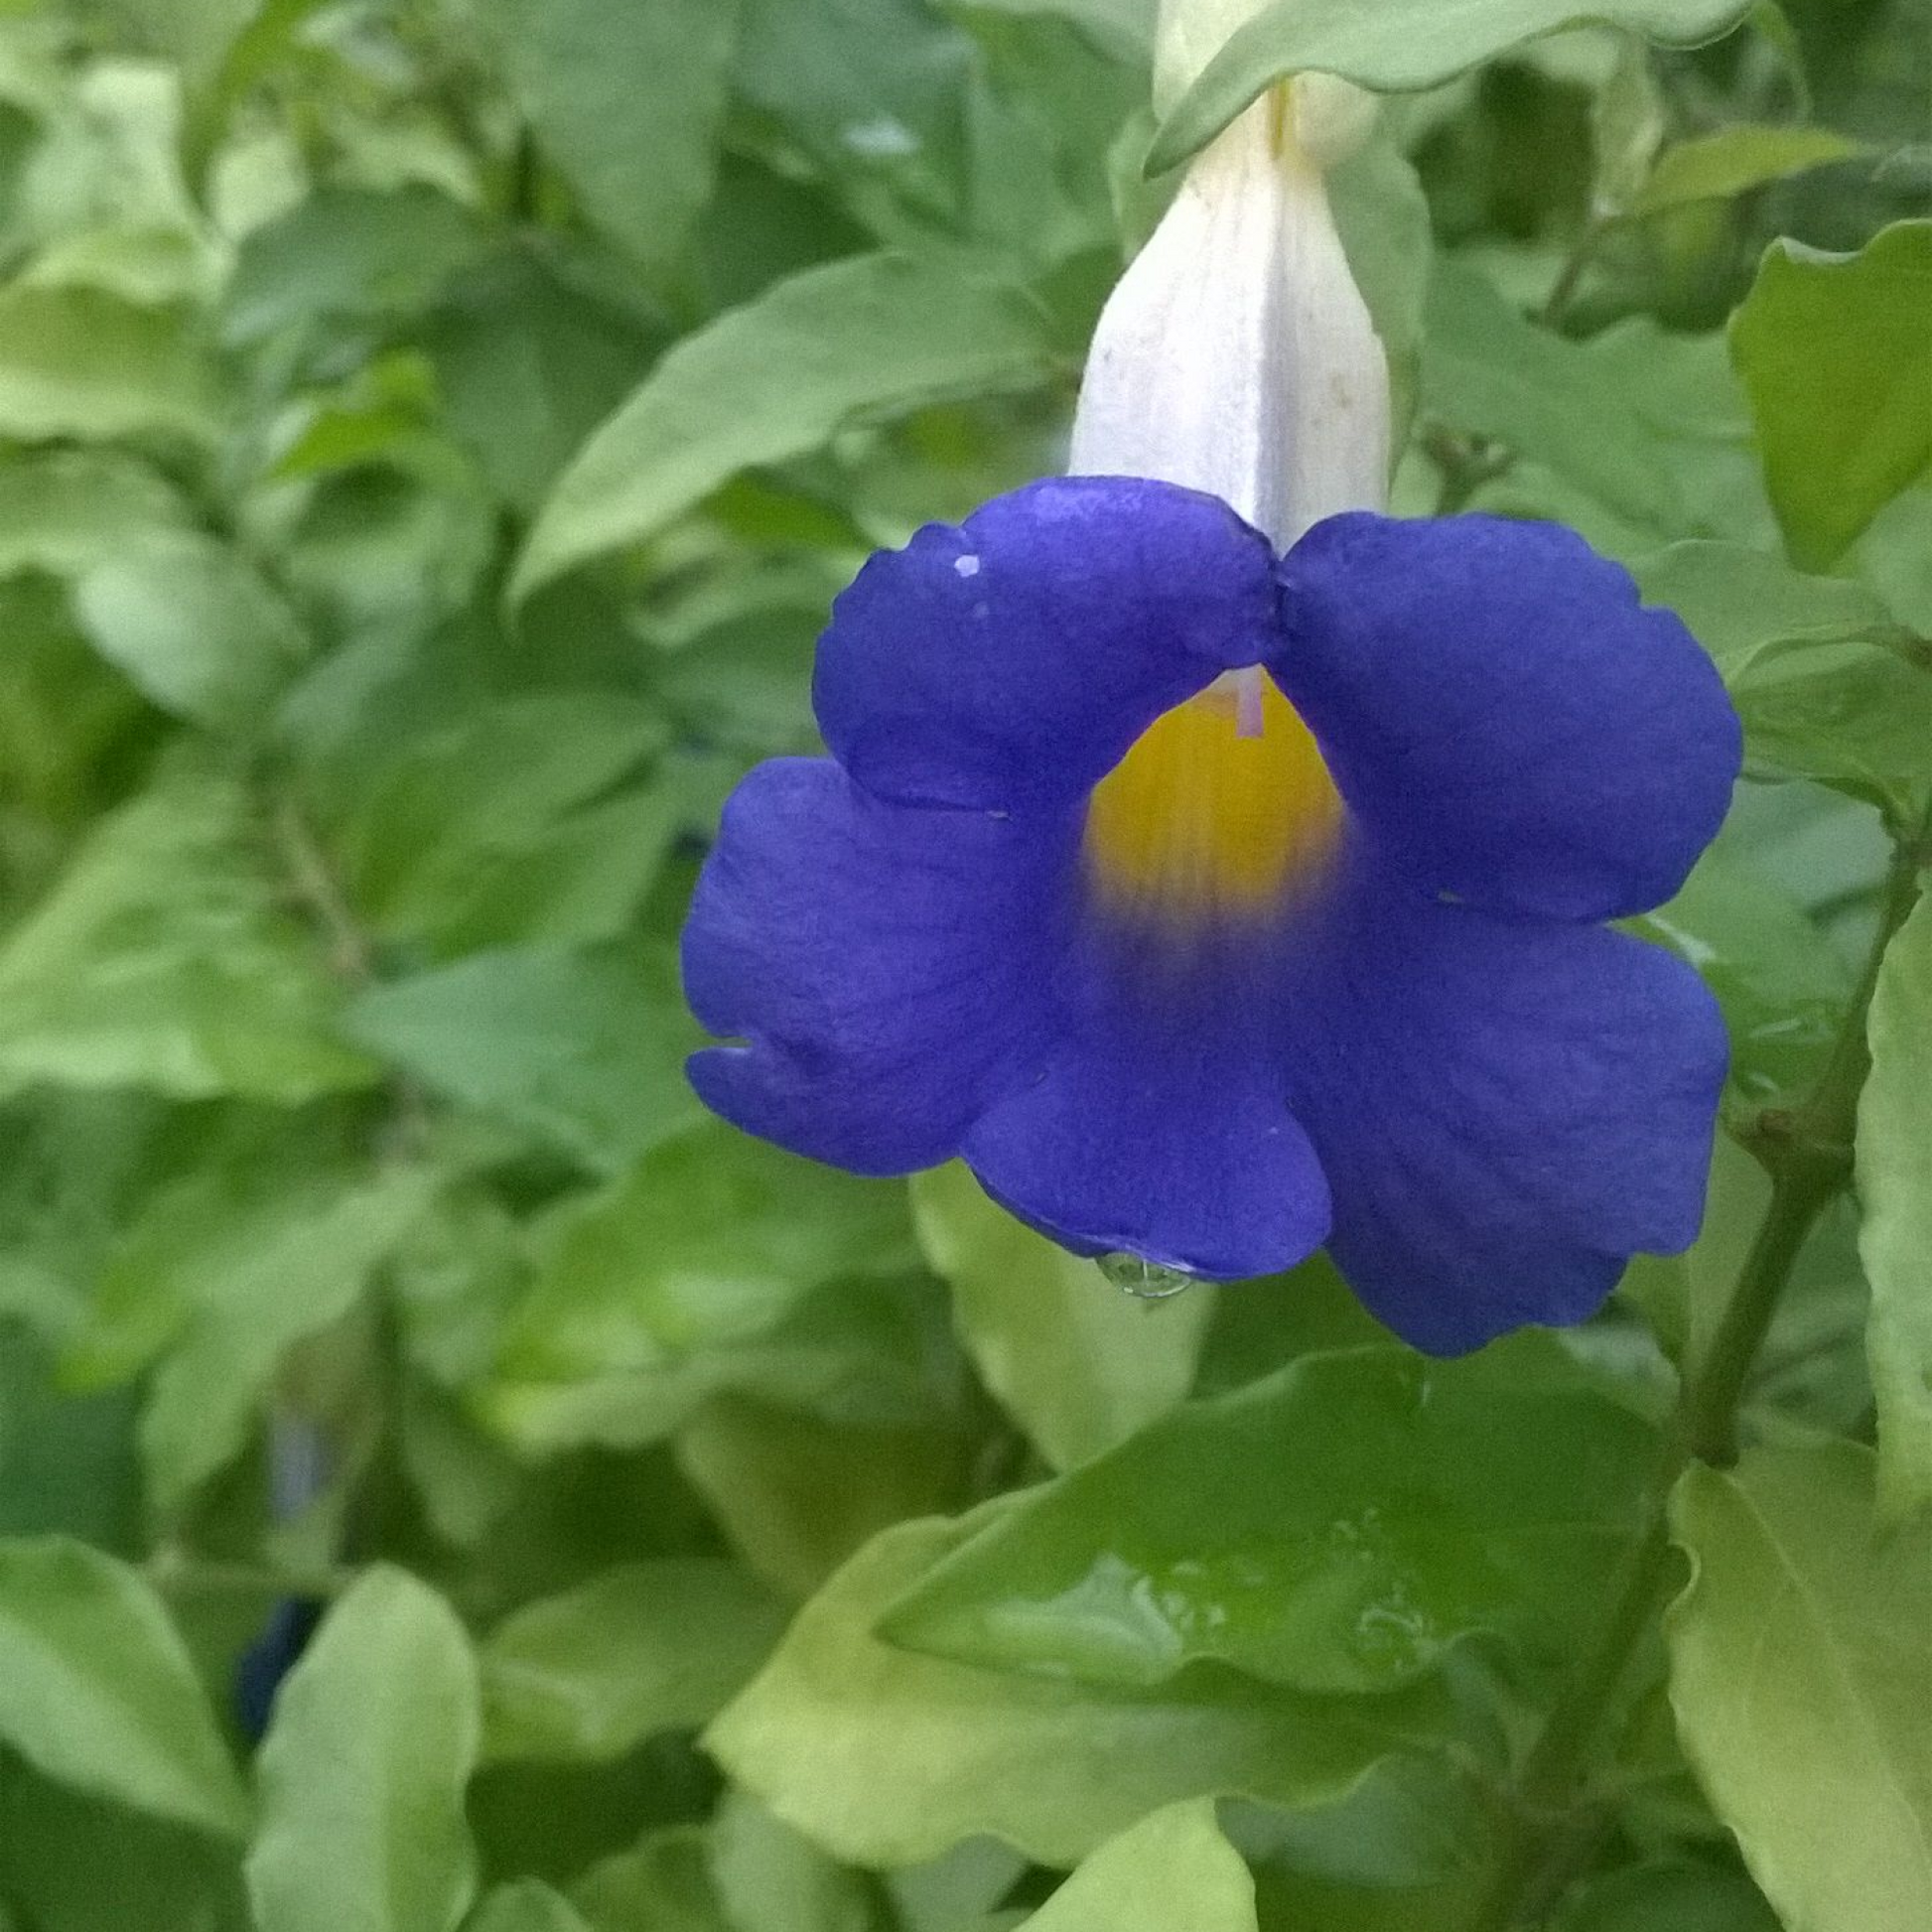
(1222, 808)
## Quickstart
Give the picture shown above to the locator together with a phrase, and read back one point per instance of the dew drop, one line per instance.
(1146, 1281)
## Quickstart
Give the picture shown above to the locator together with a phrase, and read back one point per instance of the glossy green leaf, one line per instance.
(1715, 166)
(885, 1758)
(1406, 1505)
(527, 1905)
(1894, 1168)
(1080, 1363)
(1173, 1868)
(75, 363)
(585, 1049)
(97, 1690)
(167, 957)
(627, 102)
(1835, 353)
(644, 1648)
(1401, 46)
(878, 336)
(1801, 1666)
(362, 1773)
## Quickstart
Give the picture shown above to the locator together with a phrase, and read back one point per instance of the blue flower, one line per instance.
(1215, 905)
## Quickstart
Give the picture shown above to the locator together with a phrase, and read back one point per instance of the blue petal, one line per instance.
(1158, 1124)
(1007, 664)
(882, 965)
(1506, 722)
(1505, 1111)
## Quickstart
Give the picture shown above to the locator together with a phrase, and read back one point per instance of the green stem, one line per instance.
(1810, 1158)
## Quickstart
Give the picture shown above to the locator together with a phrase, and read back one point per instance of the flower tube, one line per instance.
(1219, 866)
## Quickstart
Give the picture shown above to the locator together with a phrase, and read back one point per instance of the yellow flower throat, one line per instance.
(1222, 810)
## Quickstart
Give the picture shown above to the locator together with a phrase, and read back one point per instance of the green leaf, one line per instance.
(584, 1049)
(521, 823)
(195, 629)
(67, 511)
(797, 1494)
(1080, 1364)
(1406, 1505)
(76, 363)
(1680, 1896)
(709, 1240)
(644, 1648)
(1801, 1669)
(97, 1689)
(877, 336)
(766, 1875)
(885, 1757)
(528, 1905)
(1401, 47)
(627, 102)
(1782, 987)
(1173, 1868)
(348, 255)
(252, 1284)
(1716, 166)
(1745, 606)
(166, 957)
(362, 1773)
(1835, 353)
(664, 1885)
(1894, 1167)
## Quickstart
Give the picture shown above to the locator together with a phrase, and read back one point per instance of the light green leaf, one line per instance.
(528, 1905)
(584, 1049)
(1402, 47)
(888, 1758)
(1406, 1505)
(251, 1282)
(1801, 1671)
(627, 102)
(644, 1648)
(166, 957)
(1079, 1363)
(1735, 159)
(77, 362)
(1835, 353)
(362, 1773)
(1172, 1869)
(877, 335)
(1894, 1165)
(97, 1690)
(194, 628)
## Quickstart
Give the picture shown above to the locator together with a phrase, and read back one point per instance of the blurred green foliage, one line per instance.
(430, 437)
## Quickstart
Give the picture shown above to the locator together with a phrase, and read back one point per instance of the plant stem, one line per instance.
(1810, 1157)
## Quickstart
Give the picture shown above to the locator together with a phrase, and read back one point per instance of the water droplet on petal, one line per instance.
(1146, 1281)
